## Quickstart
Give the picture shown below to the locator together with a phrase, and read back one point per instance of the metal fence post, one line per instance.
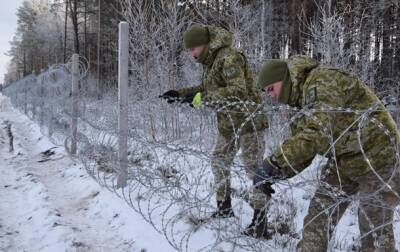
(74, 115)
(123, 62)
(41, 104)
(25, 100)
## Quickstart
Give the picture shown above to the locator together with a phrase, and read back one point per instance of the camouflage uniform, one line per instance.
(319, 88)
(224, 153)
(373, 211)
(227, 77)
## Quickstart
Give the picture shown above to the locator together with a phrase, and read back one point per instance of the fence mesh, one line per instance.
(170, 154)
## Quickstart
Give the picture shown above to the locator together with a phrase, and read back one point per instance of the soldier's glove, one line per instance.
(171, 96)
(188, 99)
(272, 168)
(194, 100)
(197, 101)
(265, 176)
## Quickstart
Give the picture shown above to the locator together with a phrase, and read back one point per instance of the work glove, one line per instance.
(265, 175)
(197, 101)
(171, 96)
(193, 99)
(188, 98)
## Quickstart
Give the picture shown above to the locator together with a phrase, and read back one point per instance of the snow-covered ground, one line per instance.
(55, 206)
(51, 203)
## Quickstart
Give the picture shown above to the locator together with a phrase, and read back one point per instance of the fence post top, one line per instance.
(123, 25)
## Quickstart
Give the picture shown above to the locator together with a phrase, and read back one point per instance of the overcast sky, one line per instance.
(8, 25)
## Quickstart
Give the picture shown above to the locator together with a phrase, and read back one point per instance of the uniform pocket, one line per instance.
(348, 144)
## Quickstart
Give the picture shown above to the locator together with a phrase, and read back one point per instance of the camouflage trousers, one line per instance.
(252, 146)
(375, 212)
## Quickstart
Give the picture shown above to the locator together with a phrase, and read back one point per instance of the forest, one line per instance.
(361, 36)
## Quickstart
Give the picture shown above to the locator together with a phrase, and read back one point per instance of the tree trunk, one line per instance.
(294, 29)
(396, 64)
(387, 49)
(73, 4)
(85, 30)
(65, 30)
(98, 49)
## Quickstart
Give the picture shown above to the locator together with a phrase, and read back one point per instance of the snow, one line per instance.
(56, 206)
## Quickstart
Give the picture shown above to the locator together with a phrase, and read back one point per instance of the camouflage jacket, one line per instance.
(226, 74)
(336, 133)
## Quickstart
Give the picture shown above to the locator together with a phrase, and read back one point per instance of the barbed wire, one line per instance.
(170, 183)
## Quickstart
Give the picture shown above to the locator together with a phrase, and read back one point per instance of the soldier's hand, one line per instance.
(265, 176)
(188, 99)
(264, 186)
(272, 169)
(171, 96)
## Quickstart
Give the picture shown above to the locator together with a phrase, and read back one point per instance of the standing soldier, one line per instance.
(362, 146)
(227, 76)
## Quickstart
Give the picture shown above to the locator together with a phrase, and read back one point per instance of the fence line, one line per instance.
(157, 157)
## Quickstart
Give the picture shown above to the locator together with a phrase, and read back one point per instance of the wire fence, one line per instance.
(169, 154)
(169, 159)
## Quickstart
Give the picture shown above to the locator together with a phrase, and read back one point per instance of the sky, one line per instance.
(8, 25)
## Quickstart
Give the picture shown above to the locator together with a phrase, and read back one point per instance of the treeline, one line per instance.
(362, 36)
(49, 32)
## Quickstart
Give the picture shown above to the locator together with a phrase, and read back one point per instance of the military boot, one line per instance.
(224, 209)
(258, 226)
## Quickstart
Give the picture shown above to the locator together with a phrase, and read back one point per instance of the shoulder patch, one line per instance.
(311, 96)
(231, 72)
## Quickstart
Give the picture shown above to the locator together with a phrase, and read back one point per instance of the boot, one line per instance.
(258, 226)
(224, 209)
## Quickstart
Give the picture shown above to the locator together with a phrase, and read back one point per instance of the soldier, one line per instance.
(363, 148)
(227, 76)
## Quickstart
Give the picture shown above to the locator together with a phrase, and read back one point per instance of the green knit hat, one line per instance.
(196, 35)
(272, 71)
(275, 70)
